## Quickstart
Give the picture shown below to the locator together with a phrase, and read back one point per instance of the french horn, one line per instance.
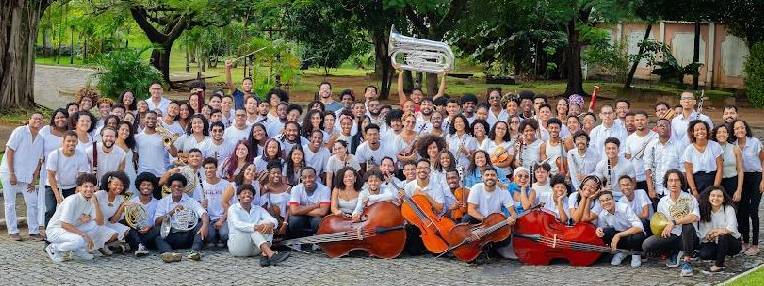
(421, 55)
(135, 215)
(191, 178)
(181, 219)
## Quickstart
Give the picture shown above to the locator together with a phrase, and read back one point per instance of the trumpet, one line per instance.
(419, 54)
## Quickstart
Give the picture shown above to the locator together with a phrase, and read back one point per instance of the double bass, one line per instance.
(540, 238)
(380, 233)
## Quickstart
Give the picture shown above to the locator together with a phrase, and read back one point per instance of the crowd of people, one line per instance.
(250, 169)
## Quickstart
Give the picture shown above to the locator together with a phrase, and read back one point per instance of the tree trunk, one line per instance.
(633, 70)
(382, 63)
(160, 59)
(432, 84)
(696, 54)
(18, 31)
(573, 62)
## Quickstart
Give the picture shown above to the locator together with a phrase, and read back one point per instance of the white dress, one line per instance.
(108, 209)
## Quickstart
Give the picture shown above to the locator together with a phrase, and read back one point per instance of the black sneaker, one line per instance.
(279, 257)
(265, 261)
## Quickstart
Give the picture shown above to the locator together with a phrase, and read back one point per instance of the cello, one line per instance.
(417, 210)
(540, 238)
(493, 228)
(380, 233)
(461, 195)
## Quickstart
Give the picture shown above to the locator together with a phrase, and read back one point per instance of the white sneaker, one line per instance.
(617, 258)
(83, 254)
(636, 260)
(55, 256)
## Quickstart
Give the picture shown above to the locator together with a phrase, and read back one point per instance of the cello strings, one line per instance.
(340, 236)
(574, 245)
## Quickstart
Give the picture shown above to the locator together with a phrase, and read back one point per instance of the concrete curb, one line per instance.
(741, 275)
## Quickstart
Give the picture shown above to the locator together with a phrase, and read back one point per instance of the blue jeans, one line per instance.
(50, 201)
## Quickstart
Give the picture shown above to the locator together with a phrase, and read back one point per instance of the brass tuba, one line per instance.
(420, 55)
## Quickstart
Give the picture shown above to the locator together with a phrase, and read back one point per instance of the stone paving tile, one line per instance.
(26, 263)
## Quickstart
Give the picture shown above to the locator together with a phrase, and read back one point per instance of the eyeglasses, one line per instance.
(522, 176)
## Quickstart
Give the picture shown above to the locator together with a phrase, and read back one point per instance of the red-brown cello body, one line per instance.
(540, 238)
(380, 232)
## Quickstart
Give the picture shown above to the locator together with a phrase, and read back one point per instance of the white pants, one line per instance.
(247, 244)
(119, 228)
(41, 206)
(62, 240)
(30, 198)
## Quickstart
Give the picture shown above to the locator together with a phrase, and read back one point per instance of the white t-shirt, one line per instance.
(680, 124)
(364, 153)
(489, 202)
(187, 142)
(637, 146)
(67, 168)
(454, 142)
(50, 143)
(286, 145)
(703, 162)
(220, 152)
(107, 162)
(321, 195)
(434, 189)
(150, 207)
(165, 205)
(610, 174)
(234, 134)
(214, 195)
(600, 133)
(334, 164)
(164, 103)
(551, 205)
(28, 152)
(640, 201)
(70, 211)
(152, 157)
(573, 202)
(316, 160)
(584, 165)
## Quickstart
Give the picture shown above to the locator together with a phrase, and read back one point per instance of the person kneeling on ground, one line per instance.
(618, 225)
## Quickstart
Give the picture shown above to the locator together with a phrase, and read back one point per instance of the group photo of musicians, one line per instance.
(256, 175)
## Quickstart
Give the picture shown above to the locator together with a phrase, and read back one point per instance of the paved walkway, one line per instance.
(50, 80)
(25, 263)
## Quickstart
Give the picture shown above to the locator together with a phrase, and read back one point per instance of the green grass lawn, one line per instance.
(349, 76)
(753, 278)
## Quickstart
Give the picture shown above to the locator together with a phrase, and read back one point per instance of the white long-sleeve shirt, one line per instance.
(243, 222)
(622, 218)
(365, 198)
(661, 157)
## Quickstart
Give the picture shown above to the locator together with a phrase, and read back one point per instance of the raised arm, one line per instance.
(401, 95)
(442, 87)
(228, 79)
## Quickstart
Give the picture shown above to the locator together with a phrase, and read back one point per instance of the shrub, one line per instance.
(610, 58)
(754, 73)
(124, 69)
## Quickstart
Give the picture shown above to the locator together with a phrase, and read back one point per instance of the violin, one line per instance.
(540, 238)
(499, 155)
(418, 211)
(380, 233)
(461, 195)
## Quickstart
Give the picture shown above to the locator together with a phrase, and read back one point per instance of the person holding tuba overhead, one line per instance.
(673, 224)
(139, 213)
(178, 215)
(407, 53)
